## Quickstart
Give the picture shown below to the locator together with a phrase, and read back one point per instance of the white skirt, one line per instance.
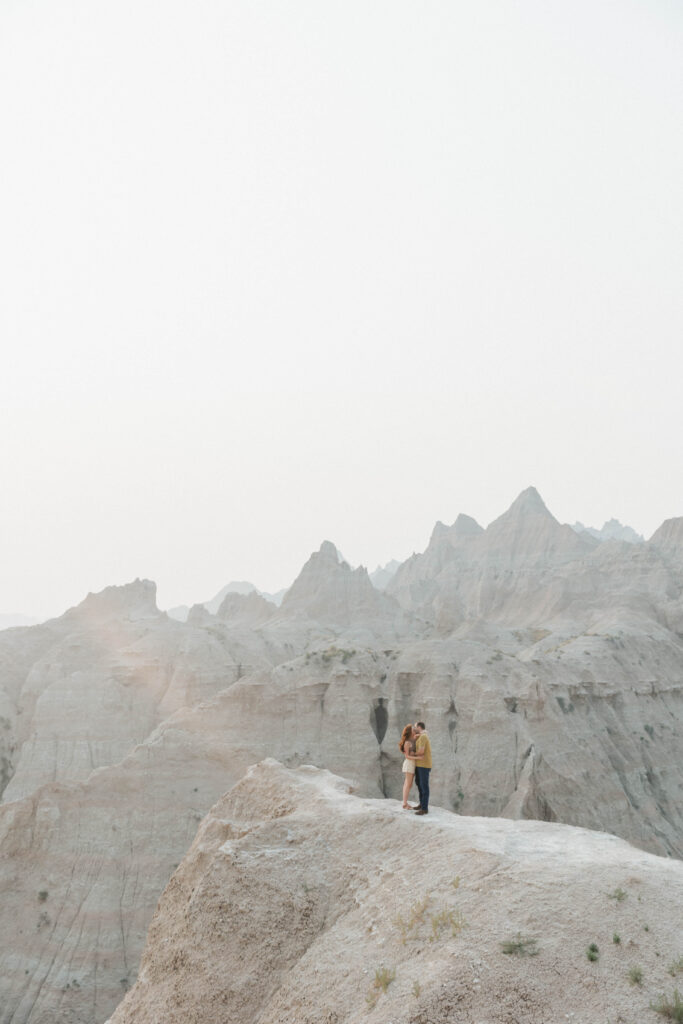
(408, 766)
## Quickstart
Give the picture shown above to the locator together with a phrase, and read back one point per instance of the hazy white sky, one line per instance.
(278, 272)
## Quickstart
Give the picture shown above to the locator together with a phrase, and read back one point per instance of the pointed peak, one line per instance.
(328, 590)
(529, 502)
(528, 534)
(329, 552)
(327, 560)
(440, 530)
(466, 526)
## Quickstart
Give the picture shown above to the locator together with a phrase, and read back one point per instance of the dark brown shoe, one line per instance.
(421, 812)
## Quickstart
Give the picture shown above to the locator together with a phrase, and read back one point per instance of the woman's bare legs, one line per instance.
(407, 783)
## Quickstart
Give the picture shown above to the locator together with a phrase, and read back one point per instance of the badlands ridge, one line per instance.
(295, 896)
(548, 665)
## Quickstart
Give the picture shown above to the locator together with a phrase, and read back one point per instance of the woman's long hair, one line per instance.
(407, 734)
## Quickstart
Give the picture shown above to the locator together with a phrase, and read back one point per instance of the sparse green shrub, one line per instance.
(336, 652)
(646, 927)
(43, 895)
(671, 1008)
(520, 946)
(635, 975)
(616, 938)
(593, 953)
(416, 988)
(619, 895)
(675, 967)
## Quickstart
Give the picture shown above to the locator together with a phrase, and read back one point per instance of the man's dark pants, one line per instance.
(422, 779)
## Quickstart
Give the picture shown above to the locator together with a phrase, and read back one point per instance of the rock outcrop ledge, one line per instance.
(297, 895)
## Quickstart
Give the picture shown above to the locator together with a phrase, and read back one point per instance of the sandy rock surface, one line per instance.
(296, 894)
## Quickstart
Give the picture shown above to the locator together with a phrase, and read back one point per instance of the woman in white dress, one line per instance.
(407, 746)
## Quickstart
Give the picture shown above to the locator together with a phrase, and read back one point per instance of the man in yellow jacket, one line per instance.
(423, 766)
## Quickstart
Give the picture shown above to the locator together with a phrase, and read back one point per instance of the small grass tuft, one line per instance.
(417, 988)
(671, 1008)
(383, 978)
(452, 919)
(409, 925)
(618, 894)
(593, 953)
(43, 895)
(635, 975)
(520, 946)
(675, 967)
(616, 938)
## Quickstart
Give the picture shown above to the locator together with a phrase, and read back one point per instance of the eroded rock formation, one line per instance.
(547, 665)
(299, 903)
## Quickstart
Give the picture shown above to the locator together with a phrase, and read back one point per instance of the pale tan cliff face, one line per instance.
(551, 686)
(295, 893)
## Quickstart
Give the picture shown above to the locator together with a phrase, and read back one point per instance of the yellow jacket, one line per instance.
(423, 749)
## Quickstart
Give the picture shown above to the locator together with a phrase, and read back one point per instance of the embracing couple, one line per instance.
(417, 764)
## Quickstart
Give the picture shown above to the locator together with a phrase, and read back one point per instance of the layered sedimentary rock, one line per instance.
(103, 677)
(528, 570)
(299, 903)
(548, 667)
